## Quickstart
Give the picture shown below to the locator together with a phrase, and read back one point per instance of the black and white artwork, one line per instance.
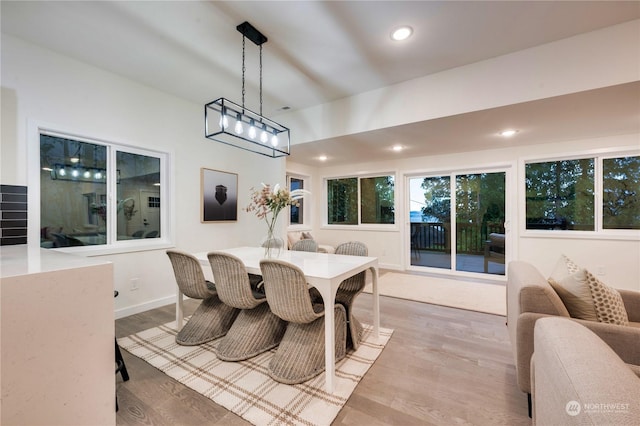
(219, 195)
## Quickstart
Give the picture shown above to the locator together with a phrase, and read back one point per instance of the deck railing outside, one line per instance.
(435, 236)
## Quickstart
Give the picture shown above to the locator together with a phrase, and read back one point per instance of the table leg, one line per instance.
(376, 302)
(329, 298)
(179, 309)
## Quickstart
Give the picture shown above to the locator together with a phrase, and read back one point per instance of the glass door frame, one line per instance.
(510, 217)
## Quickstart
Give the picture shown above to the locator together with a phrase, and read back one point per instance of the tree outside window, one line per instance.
(621, 193)
(376, 200)
(561, 194)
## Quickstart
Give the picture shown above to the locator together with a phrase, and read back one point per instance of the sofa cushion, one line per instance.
(585, 296)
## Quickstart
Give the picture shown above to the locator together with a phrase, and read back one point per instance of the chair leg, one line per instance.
(529, 403)
(122, 369)
(211, 320)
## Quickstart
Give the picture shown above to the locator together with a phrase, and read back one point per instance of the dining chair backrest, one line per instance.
(287, 291)
(232, 280)
(189, 275)
(306, 244)
(353, 248)
(151, 234)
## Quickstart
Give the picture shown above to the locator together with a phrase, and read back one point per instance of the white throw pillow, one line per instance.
(575, 293)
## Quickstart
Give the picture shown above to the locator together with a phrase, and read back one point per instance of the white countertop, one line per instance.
(24, 260)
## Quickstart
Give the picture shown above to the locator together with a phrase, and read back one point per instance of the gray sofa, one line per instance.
(577, 379)
(530, 297)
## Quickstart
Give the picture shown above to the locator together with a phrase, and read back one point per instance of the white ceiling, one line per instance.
(321, 51)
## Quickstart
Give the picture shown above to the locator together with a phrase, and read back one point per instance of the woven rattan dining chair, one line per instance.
(349, 289)
(306, 244)
(212, 319)
(300, 355)
(256, 329)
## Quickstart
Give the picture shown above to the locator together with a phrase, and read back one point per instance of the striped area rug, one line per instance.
(245, 388)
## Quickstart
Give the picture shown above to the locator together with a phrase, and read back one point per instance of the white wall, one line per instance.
(618, 258)
(41, 86)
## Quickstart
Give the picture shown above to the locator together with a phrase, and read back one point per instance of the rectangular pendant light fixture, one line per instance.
(235, 125)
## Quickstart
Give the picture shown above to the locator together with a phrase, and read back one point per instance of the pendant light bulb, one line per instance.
(274, 140)
(75, 173)
(86, 174)
(224, 120)
(252, 130)
(238, 129)
(62, 171)
(97, 175)
(264, 137)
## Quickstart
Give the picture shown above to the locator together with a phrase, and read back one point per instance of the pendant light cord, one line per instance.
(243, 70)
(260, 80)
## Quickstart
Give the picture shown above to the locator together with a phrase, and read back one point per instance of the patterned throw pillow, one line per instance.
(607, 301)
(586, 297)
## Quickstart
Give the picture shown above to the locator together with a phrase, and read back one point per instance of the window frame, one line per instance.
(167, 226)
(306, 210)
(360, 226)
(599, 232)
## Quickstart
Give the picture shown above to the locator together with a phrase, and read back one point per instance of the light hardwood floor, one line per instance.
(442, 366)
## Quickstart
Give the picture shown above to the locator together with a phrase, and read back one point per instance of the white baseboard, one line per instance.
(143, 307)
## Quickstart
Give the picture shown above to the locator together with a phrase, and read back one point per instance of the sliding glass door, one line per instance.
(457, 222)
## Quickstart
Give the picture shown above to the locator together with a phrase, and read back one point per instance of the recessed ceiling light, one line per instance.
(322, 158)
(401, 33)
(397, 148)
(508, 133)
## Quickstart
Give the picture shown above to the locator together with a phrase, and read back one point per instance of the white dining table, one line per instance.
(323, 271)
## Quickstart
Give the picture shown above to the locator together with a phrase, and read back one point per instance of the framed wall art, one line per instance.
(219, 201)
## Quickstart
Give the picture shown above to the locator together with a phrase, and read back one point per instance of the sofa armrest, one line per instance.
(623, 340)
(631, 301)
(524, 348)
(573, 364)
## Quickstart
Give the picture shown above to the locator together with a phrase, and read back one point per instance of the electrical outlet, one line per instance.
(134, 284)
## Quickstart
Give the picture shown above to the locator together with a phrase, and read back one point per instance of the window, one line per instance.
(96, 194)
(561, 195)
(376, 200)
(296, 215)
(353, 201)
(621, 193)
